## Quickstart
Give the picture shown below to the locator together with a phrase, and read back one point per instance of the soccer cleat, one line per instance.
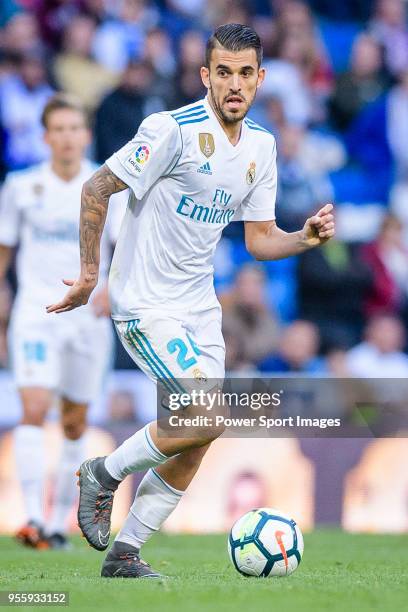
(32, 535)
(58, 541)
(95, 506)
(123, 561)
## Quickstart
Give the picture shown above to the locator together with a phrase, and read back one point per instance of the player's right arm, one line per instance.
(94, 205)
(151, 154)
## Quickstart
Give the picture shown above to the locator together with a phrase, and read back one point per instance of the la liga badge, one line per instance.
(138, 158)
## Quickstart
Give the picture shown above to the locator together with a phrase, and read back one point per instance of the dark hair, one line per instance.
(61, 101)
(234, 37)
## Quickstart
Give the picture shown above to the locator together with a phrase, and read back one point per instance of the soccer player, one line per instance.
(68, 356)
(191, 172)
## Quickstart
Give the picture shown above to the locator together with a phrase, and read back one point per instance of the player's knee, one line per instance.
(197, 424)
(73, 431)
(208, 431)
(212, 421)
(213, 432)
(35, 408)
(33, 416)
(73, 419)
(216, 420)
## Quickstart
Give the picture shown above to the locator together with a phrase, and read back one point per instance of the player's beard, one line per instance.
(229, 117)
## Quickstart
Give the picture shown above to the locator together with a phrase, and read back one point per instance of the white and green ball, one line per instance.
(264, 542)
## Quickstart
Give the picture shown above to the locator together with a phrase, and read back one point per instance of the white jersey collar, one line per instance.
(214, 117)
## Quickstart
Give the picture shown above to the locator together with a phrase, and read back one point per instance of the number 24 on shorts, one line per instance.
(183, 360)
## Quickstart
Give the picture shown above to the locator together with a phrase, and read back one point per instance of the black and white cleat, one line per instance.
(123, 561)
(95, 505)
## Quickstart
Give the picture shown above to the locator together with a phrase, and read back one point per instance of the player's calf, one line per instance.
(195, 425)
(73, 419)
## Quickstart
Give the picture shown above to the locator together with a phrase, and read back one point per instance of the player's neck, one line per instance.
(232, 130)
(66, 171)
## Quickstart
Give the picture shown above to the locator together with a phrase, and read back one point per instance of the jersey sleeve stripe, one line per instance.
(199, 107)
(198, 120)
(255, 126)
(188, 115)
(181, 148)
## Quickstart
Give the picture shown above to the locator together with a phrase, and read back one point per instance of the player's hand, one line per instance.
(100, 303)
(319, 228)
(77, 296)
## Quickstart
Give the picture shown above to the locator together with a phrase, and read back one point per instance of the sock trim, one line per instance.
(152, 444)
(127, 541)
(167, 485)
(106, 480)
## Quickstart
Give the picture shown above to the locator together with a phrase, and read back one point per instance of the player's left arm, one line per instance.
(266, 241)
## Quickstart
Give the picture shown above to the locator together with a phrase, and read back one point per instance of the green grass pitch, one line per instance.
(339, 572)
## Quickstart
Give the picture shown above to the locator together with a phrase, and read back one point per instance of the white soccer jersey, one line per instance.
(40, 212)
(188, 182)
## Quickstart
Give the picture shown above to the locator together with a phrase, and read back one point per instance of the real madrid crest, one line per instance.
(250, 175)
(199, 375)
(207, 144)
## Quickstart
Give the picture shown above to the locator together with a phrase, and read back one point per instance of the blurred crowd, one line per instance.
(336, 99)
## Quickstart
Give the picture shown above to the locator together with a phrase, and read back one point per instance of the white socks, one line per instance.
(136, 454)
(29, 446)
(65, 490)
(155, 500)
(30, 462)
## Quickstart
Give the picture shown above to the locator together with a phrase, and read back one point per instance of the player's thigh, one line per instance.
(164, 348)
(35, 362)
(167, 350)
(207, 334)
(86, 360)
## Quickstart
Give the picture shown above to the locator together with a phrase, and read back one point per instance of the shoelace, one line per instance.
(103, 505)
(129, 556)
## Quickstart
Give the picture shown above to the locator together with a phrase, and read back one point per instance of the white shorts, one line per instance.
(69, 353)
(171, 346)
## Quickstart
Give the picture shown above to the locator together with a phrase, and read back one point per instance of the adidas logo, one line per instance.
(205, 168)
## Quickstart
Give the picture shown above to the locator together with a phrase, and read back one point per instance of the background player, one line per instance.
(191, 172)
(70, 356)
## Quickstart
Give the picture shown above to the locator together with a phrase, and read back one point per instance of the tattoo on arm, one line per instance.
(94, 206)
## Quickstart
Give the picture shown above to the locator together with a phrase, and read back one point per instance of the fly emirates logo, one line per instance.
(216, 213)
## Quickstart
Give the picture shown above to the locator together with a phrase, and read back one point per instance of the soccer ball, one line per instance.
(265, 542)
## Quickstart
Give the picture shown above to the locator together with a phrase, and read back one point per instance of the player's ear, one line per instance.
(205, 76)
(261, 77)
